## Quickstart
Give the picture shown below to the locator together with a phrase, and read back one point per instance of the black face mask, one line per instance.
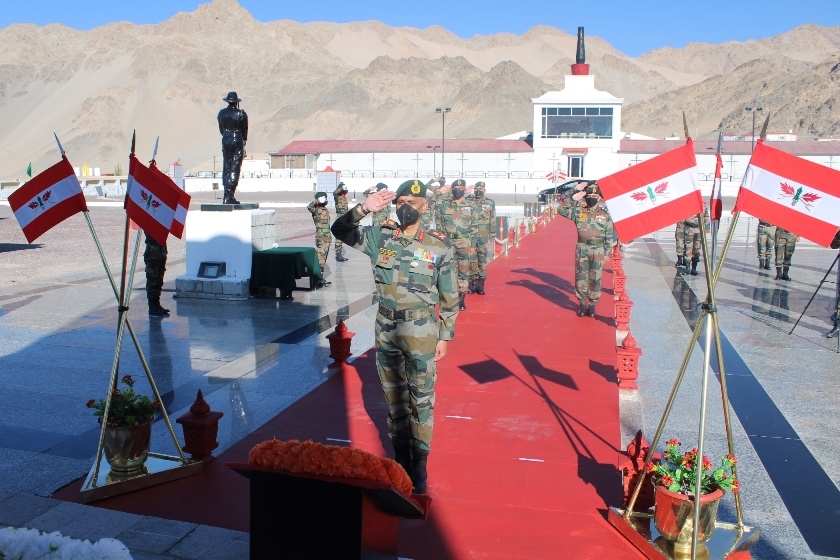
(407, 215)
(590, 202)
(479, 193)
(457, 193)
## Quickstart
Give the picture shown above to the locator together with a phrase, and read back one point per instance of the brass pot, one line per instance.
(126, 449)
(674, 517)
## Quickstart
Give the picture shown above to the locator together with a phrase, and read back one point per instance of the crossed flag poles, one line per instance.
(158, 206)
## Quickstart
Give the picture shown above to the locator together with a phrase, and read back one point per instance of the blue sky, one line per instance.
(632, 27)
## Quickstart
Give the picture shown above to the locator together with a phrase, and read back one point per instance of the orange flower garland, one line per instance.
(330, 460)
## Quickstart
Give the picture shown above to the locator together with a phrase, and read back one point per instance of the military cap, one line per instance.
(459, 183)
(319, 194)
(381, 186)
(480, 185)
(341, 184)
(412, 187)
(592, 188)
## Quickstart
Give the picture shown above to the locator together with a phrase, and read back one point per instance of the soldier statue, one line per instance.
(233, 124)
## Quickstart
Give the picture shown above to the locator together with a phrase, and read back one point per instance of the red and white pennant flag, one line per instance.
(716, 206)
(47, 200)
(150, 201)
(653, 194)
(795, 194)
(180, 218)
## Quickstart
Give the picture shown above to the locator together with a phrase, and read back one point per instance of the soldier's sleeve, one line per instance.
(347, 229)
(567, 204)
(219, 118)
(311, 207)
(493, 226)
(609, 234)
(473, 223)
(447, 295)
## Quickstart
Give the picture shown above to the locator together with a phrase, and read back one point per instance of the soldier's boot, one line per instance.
(681, 261)
(590, 311)
(339, 256)
(834, 330)
(767, 263)
(418, 470)
(785, 273)
(462, 303)
(402, 452)
(471, 285)
(778, 273)
(228, 198)
(479, 289)
(694, 261)
(155, 309)
(761, 264)
(582, 310)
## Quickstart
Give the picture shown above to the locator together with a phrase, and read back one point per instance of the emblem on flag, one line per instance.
(796, 195)
(150, 201)
(650, 193)
(41, 201)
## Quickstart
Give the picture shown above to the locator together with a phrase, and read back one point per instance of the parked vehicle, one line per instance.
(559, 189)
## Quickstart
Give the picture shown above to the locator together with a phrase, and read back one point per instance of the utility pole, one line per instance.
(434, 160)
(753, 109)
(443, 111)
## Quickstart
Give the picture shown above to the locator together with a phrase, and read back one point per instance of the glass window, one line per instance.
(575, 166)
(565, 111)
(578, 111)
(592, 110)
(606, 110)
(552, 110)
(577, 122)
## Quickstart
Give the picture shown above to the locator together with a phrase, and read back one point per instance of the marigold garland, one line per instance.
(331, 460)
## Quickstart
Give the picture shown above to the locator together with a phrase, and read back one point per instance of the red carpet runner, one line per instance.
(523, 463)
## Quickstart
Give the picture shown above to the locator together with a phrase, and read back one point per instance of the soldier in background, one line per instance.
(485, 219)
(432, 186)
(595, 237)
(785, 245)
(155, 258)
(321, 217)
(765, 239)
(341, 207)
(679, 237)
(381, 216)
(693, 240)
(835, 244)
(414, 272)
(455, 217)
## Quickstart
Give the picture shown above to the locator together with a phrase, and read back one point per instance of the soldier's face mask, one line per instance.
(591, 201)
(407, 215)
(321, 200)
(457, 192)
(479, 193)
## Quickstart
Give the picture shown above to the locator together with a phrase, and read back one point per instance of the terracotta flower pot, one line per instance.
(126, 449)
(674, 517)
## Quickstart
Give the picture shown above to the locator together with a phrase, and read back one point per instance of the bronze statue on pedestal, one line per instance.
(233, 124)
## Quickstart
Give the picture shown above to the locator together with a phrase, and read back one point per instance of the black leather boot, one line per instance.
(462, 304)
(228, 198)
(761, 264)
(767, 263)
(402, 452)
(694, 262)
(339, 256)
(479, 286)
(785, 273)
(778, 273)
(590, 311)
(155, 308)
(418, 470)
(582, 311)
(834, 330)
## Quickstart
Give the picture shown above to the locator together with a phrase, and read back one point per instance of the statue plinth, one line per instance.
(580, 69)
(230, 207)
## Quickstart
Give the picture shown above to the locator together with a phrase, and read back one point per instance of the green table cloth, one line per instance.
(281, 266)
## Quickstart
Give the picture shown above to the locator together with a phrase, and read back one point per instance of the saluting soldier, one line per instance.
(692, 238)
(485, 218)
(384, 214)
(595, 237)
(321, 217)
(679, 238)
(455, 217)
(413, 269)
(341, 207)
(765, 239)
(785, 246)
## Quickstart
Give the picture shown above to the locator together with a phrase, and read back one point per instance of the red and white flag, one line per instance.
(47, 200)
(180, 218)
(653, 194)
(795, 194)
(150, 201)
(715, 201)
(556, 175)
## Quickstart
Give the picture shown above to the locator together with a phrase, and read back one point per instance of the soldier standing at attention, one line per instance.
(765, 239)
(428, 215)
(485, 218)
(413, 272)
(321, 217)
(455, 218)
(341, 207)
(692, 238)
(381, 216)
(155, 258)
(595, 238)
(679, 237)
(785, 245)
(835, 244)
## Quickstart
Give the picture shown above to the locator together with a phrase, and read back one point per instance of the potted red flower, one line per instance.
(674, 477)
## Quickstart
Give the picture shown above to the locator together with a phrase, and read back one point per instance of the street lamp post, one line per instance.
(443, 111)
(434, 160)
(753, 110)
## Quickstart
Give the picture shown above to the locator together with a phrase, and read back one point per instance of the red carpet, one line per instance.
(527, 440)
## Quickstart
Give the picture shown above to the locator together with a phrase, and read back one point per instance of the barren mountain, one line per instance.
(366, 80)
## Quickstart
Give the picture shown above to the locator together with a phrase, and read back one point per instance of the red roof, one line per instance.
(472, 145)
(736, 147)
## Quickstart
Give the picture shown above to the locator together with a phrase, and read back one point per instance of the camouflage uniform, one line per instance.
(679, 237)
(785, 245)
(412, 276)
(321, 217)
(455, 219)
(378, 218)
(155, 258)
(693, 239)
(341, 207)
(835, 329)
(595, 237)
(485, 218)
(765, 239)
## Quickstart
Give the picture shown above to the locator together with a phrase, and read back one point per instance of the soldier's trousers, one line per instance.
(155, 258)
(679, 236)
(405, 352)
(785, 245)
(588, 269)
(692, 240)
(323, 238)
(765, 241)
(232, 154)
(338, 243)
(478, 263)
(463, 253)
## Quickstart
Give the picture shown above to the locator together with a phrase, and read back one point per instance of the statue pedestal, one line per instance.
(228, 236)
(230, 207)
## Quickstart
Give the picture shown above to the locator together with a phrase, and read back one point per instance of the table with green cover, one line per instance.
(281, 266)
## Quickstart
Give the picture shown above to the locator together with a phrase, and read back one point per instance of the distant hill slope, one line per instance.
(366, 80)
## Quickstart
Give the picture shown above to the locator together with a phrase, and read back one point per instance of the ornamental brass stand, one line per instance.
(638, 527)
(101, 482)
